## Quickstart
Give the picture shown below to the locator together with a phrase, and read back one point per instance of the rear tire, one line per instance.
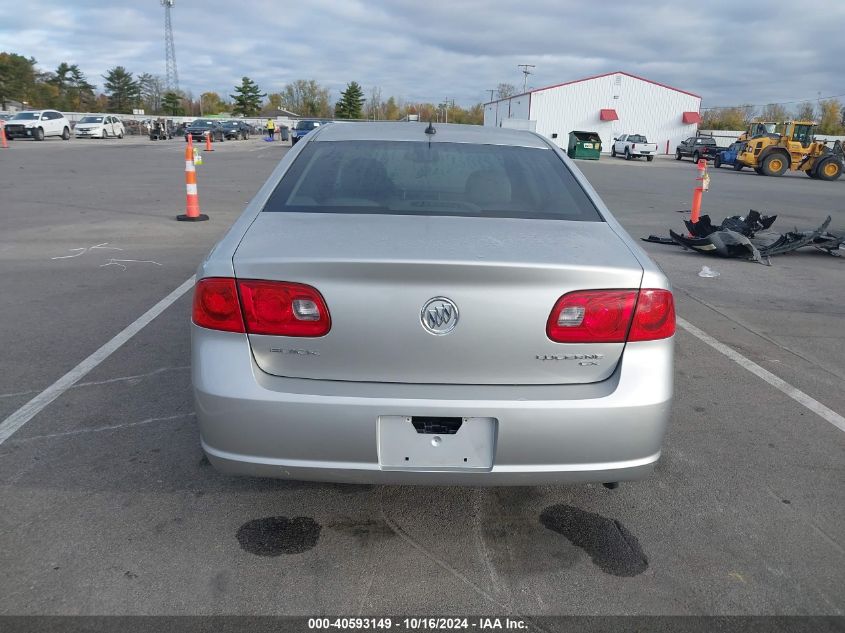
(120, 134)
(677, 154)
(695, 157)
(829, 169)
(66, 134)
(717, 161)
(774, 164)
(627, 154)
(649, 158)
(738, 166)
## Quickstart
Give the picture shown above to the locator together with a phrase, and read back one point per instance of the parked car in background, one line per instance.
(349, 326)
(633, 146)
(235, 129)
(303, 127)
(697, 147)
(729, 156)
(199, 129)
(99, 126)
(38, 125)
(5, 117)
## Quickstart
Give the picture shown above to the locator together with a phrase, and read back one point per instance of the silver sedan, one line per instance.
(448, 304)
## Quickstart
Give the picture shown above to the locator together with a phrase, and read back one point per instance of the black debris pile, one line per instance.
(750, 237)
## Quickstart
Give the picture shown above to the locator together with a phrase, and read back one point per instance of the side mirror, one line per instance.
(615, 139)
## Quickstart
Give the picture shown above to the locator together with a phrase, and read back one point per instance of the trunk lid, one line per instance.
(376, 272)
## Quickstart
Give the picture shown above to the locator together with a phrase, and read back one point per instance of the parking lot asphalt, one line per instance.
(109, 507)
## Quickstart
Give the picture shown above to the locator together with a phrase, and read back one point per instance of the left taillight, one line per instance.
(216, 305)
(252, 306)
(281, 308)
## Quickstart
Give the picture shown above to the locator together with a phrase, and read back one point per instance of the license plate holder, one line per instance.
(402, 447)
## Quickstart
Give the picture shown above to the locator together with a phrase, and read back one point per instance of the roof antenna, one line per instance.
(430, 129)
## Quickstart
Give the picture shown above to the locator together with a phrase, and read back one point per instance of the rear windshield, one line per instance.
(417, 178)
(637, 138)
(706, 141)
(200, 123)
(91, 119)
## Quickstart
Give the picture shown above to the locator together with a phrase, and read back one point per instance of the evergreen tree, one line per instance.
(122, 89)
(17, 78)
(247, 98)
(351, 102)
(81, 92)
(171, 103)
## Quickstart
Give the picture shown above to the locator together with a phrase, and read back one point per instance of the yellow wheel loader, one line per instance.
(794, 149)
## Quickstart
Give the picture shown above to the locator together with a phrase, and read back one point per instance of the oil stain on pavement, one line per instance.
(608, 543)
(274, 536)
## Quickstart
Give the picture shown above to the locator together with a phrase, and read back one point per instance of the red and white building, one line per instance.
(611, 104)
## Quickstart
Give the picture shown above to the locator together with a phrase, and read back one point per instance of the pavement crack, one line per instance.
(98, 429)
(439, 562)
(107, 381)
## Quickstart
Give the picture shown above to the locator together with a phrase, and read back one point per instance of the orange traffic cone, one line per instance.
(704, 179)
(3, 135)
(192, 203)
(208, 147)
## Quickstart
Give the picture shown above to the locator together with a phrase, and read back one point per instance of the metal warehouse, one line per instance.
(611, 104)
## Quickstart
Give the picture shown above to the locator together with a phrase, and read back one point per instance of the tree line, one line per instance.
(828, 113)
(67, 88)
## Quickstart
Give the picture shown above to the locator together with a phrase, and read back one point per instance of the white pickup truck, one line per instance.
(633, 146)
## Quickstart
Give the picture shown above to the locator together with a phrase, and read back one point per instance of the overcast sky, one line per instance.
(728, 51)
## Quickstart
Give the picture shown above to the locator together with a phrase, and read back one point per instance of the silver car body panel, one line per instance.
(377, 271)
(261, 425)
(284, 415)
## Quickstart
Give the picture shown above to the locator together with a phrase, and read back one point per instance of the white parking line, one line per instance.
(781, 385)
(32, 408)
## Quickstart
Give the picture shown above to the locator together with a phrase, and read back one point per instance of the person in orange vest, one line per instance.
(271, 129)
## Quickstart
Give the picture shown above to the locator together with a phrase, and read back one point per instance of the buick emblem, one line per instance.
(439, 316)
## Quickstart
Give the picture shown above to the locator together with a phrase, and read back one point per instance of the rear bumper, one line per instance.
(255, 424)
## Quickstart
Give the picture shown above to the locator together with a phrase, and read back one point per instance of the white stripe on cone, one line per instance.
(192, 189)
(189, 165)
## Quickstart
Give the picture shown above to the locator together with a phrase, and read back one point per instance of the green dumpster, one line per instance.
(586, 145)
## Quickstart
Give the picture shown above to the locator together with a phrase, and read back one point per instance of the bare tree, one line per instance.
(503, 91)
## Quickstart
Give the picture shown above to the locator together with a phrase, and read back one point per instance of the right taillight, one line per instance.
(612, 316)
(654, 317)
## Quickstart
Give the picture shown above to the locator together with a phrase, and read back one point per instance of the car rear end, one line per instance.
(473, 337)
(643, 149)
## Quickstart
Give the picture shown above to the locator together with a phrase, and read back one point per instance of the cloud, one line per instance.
(729, 52)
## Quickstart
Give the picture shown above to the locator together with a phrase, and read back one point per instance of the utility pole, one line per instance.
(491, 91)
(525, 72)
